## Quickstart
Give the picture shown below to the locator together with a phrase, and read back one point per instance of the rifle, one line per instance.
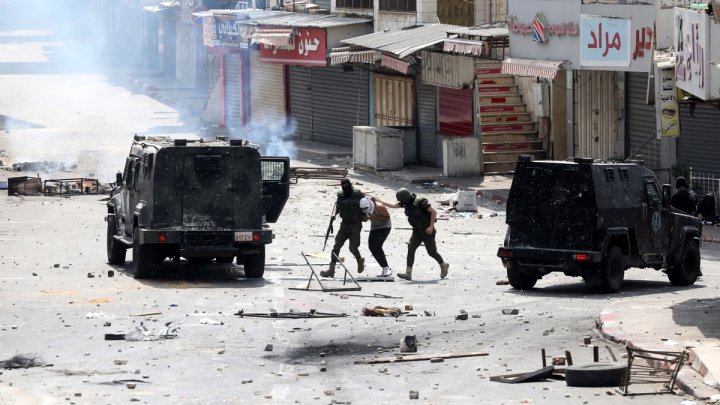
(330, 226)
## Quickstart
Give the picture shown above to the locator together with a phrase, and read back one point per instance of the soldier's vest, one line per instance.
(419, 219)
(349, 207)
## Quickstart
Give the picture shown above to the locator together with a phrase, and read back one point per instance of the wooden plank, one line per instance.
(419, 357)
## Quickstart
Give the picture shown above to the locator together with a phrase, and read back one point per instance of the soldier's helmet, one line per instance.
(403, 195)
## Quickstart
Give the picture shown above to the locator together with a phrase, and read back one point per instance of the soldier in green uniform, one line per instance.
(352, 217)
(421, 216)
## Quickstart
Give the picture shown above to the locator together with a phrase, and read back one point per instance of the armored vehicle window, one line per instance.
(136, 174)
(148, 162)
(624, 175)
(653, 192)
(610, 174)
(272, 170)
(127, 169)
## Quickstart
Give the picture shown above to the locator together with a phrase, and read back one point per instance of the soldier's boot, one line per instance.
(444, 269)
(361, 264)
(329, 272)
(407, 275)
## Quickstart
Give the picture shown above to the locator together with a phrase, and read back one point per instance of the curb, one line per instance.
(689, 380)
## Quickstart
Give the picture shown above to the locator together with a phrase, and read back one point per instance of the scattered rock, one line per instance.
(34, 274)
(558, 361)
(111, 273)
(56, 265)
(587, 340)
(131, 385)
(414, 394)
(90, 275)
(437, 360)
(268, 348)
(510, 311)
(463, 316)
(502, 282)
(427, 313)
(120, 362)
(408, 344)
(408, 307)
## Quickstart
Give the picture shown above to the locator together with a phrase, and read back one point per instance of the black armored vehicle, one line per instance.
(203, 200)
(595, 220)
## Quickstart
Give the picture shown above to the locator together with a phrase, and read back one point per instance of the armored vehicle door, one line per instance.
(656, 217)
(131, 193)
(207, 198)
(276, 186)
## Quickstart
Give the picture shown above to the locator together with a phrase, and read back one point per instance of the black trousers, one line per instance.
(375, 244)
(418, 237)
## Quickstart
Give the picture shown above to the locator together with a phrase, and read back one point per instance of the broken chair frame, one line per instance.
(662, 367)
(329, 289)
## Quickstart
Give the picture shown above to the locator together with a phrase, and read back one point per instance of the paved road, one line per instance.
(58, 301)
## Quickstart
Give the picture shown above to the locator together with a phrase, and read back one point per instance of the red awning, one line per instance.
(531, 67)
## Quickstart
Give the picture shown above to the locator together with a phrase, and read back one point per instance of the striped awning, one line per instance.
(277, 37)
(464, 46)
(357, 54)
(531, 67)
(398, 65)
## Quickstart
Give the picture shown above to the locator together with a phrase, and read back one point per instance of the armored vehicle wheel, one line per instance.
(145, 258)
(518, 279)
(225, 260)
(612, 271)
(115, 249)
(254, 264)
(687, 269)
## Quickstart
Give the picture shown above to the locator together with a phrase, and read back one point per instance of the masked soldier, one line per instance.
(348, 206)
(421, 217)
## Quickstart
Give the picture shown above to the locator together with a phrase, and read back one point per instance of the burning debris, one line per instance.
(24, 360)
(71, 186)
(24, 185)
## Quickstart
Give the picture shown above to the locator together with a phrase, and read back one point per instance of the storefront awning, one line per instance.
(464, 46)
(395, 64)
(531, 67)
(346, 54)
(163, 6)
(277, 37)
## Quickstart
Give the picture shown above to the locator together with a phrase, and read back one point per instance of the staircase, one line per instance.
(507, 131)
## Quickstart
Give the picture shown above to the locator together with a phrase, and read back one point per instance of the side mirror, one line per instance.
(666, 195)
(118, 179)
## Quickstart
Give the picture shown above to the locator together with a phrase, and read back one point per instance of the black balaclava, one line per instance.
(346, 187)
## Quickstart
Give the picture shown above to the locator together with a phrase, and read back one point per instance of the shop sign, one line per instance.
(540, 29)
(605, 41)
(690, 41)
(309, 49)
(666, 102)
(224, 31)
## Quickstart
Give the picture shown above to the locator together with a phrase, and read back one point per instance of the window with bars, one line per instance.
(359, 4)
(398, 5)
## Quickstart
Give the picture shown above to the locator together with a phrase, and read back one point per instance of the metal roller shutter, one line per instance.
(300, 101)
(339, 102)
(427, 102)
(455, 112)
(595, 109)
(233, 91)
(699, 138)
(641, 121)
(267, 95)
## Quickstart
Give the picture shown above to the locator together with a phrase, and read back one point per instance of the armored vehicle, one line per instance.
(202, 200)
(595, 220)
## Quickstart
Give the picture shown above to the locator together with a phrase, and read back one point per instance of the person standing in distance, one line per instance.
(421, 216)
(380, 226)
(352, 217)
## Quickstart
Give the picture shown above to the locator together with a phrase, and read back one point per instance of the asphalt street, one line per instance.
(58, 300)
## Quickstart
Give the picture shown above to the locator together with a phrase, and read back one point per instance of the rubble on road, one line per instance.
(293, 314)
(419, 357)
(24, 360)
(377, 310)
(408, 344)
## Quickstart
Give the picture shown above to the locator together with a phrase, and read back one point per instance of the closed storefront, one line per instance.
(326, 102)
(455, 112)
(596, 118)
(267, 94)
(394, 101)
(427, 124)
(641, 121)
(699, 137)
(186, 54)
(234, 94)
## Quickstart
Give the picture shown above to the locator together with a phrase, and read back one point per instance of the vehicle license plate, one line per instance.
(243, 236)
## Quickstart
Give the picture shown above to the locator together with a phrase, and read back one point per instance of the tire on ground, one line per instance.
(595, 375)
(519, 280)
(254, 263)
(116, 251)
(612, 271)
(145, 258)
(687, 270)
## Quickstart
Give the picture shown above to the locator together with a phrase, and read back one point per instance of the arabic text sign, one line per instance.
(666, 103)
(310, 48)
(605, 41)
(691, 40)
